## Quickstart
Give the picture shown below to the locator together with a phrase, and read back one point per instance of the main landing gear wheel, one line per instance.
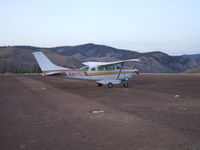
(109, 85)
(99, 84)
(125, 84)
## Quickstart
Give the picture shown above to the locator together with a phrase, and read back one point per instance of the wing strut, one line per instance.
(122, 64)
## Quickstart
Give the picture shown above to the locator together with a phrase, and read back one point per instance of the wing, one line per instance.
(94, 64)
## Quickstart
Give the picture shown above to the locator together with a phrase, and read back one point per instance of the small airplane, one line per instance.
(104, 73)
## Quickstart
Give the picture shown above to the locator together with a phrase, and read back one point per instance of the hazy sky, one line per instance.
(171, 26)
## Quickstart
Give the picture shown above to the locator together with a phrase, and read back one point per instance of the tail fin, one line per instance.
(45, 64)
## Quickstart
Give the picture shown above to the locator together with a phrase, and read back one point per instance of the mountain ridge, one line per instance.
(14, 58)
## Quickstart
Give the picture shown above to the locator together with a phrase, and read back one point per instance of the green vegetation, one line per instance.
(21, 70)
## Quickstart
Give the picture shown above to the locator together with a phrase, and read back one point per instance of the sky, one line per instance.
(170, 26)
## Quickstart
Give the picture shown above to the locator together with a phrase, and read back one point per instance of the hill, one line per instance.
(194, 70)
(20, 58)
(193, 56)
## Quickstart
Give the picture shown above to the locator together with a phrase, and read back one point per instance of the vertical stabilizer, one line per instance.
(45, 64)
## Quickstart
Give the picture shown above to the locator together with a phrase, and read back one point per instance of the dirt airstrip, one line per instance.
(157, 112)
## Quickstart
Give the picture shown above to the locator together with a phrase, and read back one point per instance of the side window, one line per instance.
(101, 68)
(110, 67)
(93, 69)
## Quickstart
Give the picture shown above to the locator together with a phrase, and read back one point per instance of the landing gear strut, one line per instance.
(109, 85)
(125, 84)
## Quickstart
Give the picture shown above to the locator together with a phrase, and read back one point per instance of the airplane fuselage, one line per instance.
(98, 75)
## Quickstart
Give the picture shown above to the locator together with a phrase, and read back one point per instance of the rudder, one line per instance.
(45, 64)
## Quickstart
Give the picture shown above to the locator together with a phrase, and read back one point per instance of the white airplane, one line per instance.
(108, 73)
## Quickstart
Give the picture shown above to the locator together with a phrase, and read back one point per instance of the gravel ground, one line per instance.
(157, 112)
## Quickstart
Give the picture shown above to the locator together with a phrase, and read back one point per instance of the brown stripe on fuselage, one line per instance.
(63, 72)
(107, 73)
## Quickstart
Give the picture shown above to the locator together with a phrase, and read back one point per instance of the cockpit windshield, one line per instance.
(118, 66)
